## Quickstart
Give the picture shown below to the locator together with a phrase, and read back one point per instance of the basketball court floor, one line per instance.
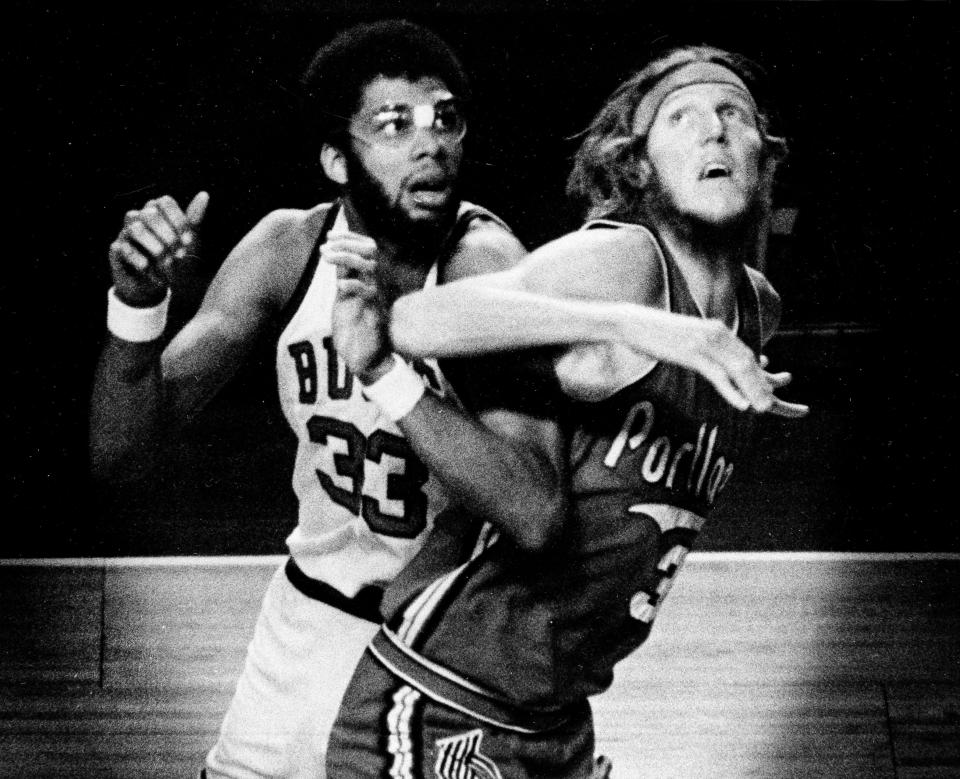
(762, 664)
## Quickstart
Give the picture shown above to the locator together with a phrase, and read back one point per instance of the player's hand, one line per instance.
(782, 408)
(710, 348)
(360, 314)
(153, 242)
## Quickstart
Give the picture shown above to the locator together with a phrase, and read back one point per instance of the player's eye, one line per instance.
(392, 124)
(447, 118)
(737, 113)
(680, 116)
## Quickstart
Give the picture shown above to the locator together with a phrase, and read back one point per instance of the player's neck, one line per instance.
(399, 278)
(711, 277)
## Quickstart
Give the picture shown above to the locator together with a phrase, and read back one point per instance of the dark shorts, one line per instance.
(399, 728)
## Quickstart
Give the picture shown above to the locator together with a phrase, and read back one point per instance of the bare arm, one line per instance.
(143, 392)
(503, 465)
(594, 290)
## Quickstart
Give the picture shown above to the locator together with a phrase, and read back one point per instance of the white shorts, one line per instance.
(298, 665)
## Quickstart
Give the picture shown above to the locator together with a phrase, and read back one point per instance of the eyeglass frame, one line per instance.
(423, 116)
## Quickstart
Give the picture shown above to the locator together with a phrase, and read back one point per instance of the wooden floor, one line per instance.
(760, 665)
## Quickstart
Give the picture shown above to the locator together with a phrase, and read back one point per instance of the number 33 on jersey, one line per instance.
(356, 470)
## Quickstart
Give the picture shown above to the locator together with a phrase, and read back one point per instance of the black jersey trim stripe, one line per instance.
(470, 211)
(309, 271)
(751, 321)
(365, 604)
(466, 214)
(651, 365)
(449, 689)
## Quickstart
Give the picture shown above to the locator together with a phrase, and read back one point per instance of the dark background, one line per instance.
(106, 109)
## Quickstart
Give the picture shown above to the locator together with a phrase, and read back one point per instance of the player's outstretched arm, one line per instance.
(571, 292)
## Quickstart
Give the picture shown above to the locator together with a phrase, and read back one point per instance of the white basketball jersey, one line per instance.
(366, 501)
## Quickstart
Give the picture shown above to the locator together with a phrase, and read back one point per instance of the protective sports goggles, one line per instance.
(396, 124)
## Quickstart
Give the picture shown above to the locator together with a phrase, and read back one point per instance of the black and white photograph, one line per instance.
(378, 369)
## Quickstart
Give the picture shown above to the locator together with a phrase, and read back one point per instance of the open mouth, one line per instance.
(715, 170)
(433, 192)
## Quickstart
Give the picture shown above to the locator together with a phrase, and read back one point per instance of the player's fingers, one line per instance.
(337, 249)
(197, 208)
(174, 216)
(345, 240)
(720, 379)
(171, 211)
(764, 361)
(781, 379)
(182, 225)
(123, 254)
(155, 219)
(127, 258)
(356, 288)
(130, 216)
(364, 249)
(741, 367)
(782, 408)
(335, 234)
(348, 263)
(147, 240)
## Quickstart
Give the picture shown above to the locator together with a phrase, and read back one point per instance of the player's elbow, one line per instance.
(585, 373)
(538, 527)
(114, 463)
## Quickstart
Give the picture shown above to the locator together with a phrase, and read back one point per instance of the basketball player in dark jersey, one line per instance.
(492, 648)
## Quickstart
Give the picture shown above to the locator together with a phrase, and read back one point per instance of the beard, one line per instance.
(736, 233)
(419, 239)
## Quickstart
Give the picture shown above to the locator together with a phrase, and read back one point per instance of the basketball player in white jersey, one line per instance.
(388, 100)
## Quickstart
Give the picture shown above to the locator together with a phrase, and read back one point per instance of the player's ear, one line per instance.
(639, 173)
(334, 164)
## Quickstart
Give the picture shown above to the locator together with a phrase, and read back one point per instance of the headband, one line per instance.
(684, 76)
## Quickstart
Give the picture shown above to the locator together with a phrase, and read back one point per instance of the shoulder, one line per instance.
(617, 264)
(633, 242)
(484, 244)
(769, 300)
(272, 256)
(288, 228)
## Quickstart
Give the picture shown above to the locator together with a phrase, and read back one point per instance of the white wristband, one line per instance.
(138, 325)
(397, 391)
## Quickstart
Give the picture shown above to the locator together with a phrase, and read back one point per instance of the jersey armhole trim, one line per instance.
(666, 304)
(309, 270)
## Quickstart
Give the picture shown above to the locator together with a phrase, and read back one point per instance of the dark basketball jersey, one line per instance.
(646, 465)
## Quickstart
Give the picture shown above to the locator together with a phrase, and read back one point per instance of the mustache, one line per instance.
(434, 175)
(385, 216)
(659, 205)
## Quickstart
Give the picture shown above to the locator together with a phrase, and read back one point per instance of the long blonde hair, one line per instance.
(607, 180)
